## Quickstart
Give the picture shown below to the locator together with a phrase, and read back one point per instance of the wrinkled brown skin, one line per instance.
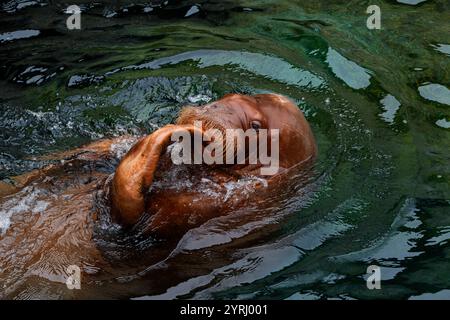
(174, 212)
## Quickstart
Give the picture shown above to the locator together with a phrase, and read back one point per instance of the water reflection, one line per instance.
(19, 34)
(391, 106)
(348, 71)
(435, 92)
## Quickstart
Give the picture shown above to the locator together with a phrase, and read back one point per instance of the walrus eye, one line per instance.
(255, 124)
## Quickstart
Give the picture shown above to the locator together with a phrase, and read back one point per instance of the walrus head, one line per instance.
(263, 111)
(278, 115)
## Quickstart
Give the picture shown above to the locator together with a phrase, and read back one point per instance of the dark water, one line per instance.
(378, 102)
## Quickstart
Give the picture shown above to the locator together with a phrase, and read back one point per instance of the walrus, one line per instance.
(132, 194)
(141, 189)
(170, 211)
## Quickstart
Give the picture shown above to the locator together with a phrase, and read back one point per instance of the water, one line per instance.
(378, 102)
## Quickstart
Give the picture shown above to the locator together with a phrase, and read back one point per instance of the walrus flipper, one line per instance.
(134, 175)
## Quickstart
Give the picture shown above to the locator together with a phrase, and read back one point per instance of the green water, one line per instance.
(378, 102)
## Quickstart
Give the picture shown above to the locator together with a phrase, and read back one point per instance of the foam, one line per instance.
(25, 200)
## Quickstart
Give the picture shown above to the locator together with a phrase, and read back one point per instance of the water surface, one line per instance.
(378, 102)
